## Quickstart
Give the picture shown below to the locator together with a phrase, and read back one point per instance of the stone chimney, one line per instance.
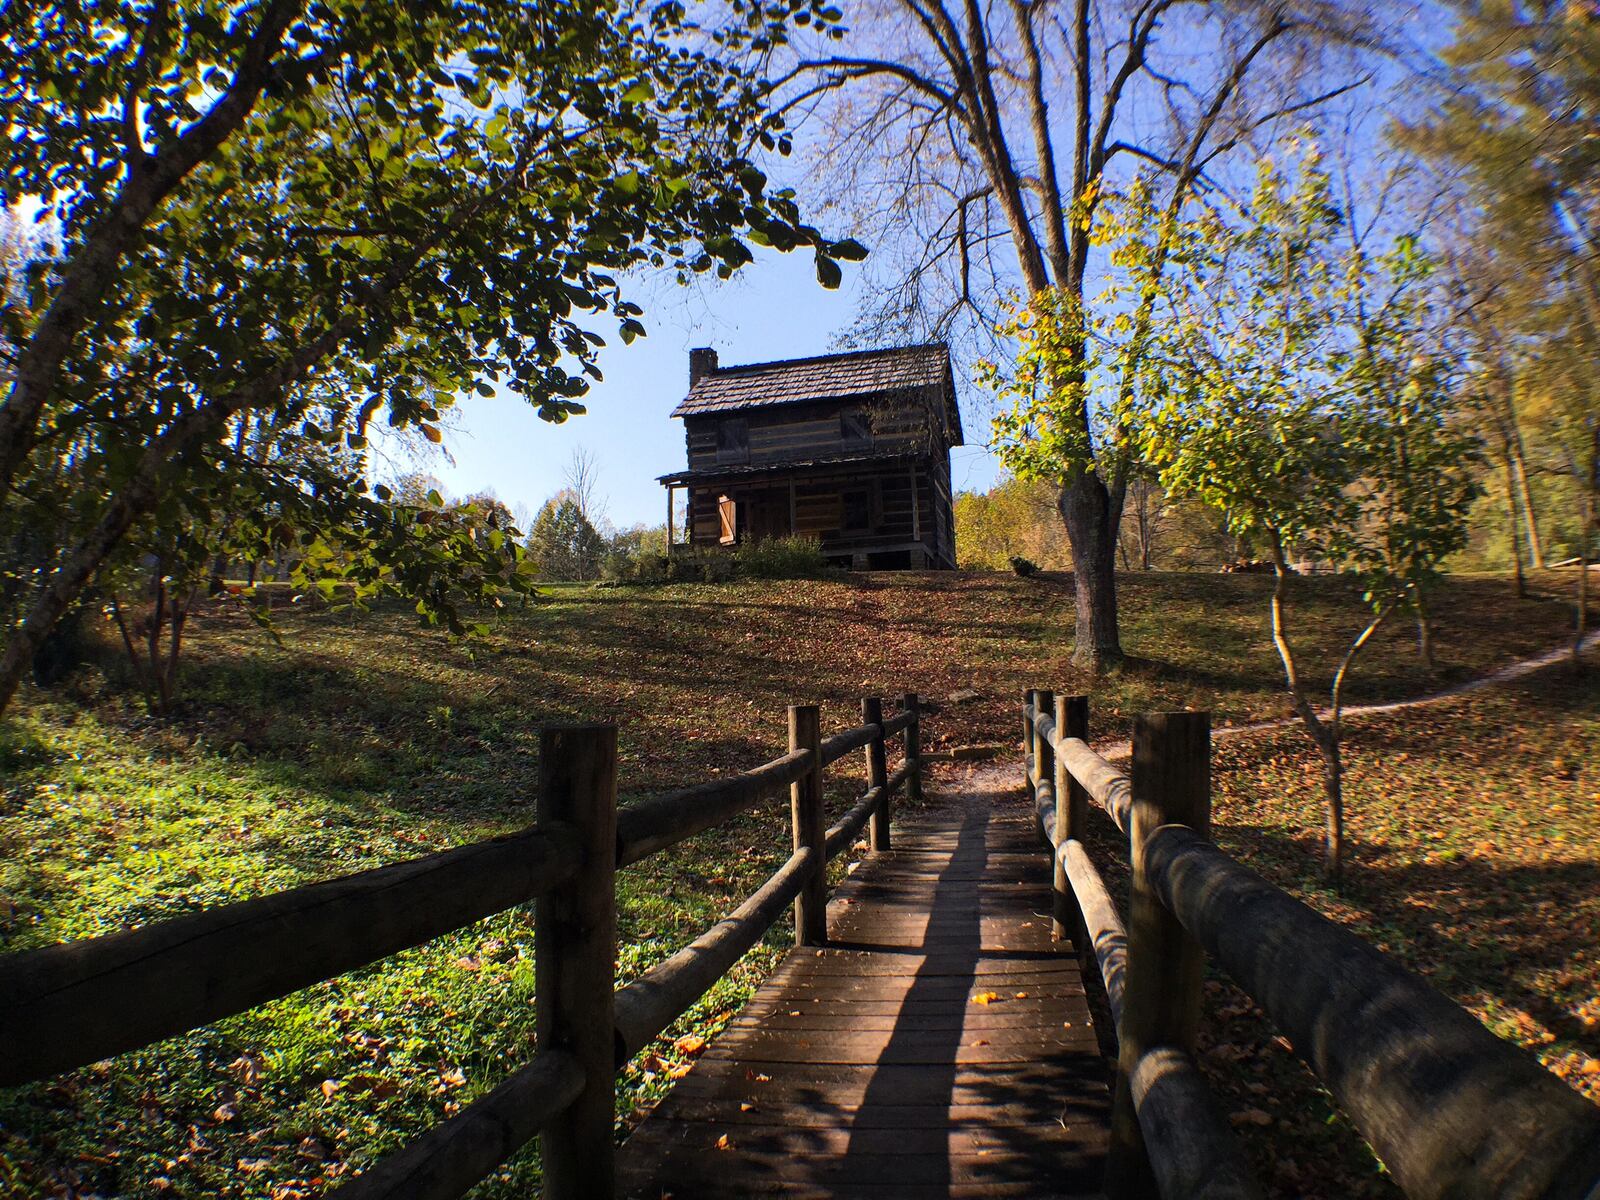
(702, 362)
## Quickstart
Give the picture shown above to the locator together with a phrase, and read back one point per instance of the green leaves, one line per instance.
(417, 199)
(1302, 388)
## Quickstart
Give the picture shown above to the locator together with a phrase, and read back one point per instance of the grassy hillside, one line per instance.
(361, 740)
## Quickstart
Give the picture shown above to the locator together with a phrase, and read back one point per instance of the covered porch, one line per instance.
(866, 513)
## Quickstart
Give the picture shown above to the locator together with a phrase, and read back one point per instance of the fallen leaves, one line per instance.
(1473, 826)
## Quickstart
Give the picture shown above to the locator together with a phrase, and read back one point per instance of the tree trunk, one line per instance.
(1324, 735)
(1520, 466)
(1333, 790)
(1581, 623)
(169, 671)
(1424, 633)
(158, 613)
(1092, 514)
(1516, 533)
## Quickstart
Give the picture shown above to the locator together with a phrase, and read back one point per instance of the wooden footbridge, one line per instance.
(928, 1037)
(938, 1045)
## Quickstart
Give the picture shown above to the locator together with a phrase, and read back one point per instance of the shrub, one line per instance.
(769, 558)
(622, 567)
(780, 558)
(701, 564)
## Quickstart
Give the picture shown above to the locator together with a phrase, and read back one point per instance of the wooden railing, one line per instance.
(1451, 1109)
(68, 1005)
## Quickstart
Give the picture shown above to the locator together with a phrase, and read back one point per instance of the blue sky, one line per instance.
(774, 309)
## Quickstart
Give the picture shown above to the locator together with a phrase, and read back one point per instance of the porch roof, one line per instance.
(783, 468)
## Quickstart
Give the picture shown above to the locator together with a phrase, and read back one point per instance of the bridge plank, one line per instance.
(870, 1068)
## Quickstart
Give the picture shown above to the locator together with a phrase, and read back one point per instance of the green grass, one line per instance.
(362, 740)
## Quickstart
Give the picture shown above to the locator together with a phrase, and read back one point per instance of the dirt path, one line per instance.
(1507, 674)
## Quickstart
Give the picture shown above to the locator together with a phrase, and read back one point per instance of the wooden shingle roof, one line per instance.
(826, 377)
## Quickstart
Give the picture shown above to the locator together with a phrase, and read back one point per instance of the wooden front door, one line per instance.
(769, 514)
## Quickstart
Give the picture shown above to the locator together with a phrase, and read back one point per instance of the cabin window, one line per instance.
(855, 431)
(733, 439)
(857, 515)
(727, 520)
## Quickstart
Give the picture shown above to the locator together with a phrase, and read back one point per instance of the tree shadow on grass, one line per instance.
(431, 747)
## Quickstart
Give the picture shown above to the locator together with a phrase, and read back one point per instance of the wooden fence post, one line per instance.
(1044, 702)
(1029, 742)
(575, 948)
(1171, 784)
(1072, 817)
(913, 747)
(877, 775)
(810, 826)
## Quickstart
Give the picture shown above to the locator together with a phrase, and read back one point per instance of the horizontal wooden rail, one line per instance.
(1044, 808)
(451, 1159)
(842, 832)
(661, 995)
(900, 722)
(840, 744)
(1193, 1151)
(1107, 786)
(1044, 723)
(651, 825)
(1107, 937)
(1451, 1109)
(665, 992)
(68, 1005)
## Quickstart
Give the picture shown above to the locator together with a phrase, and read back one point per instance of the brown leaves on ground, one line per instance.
(362, 740)
(1475, 831)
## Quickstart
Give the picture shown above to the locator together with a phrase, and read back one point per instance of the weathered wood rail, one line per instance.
(173, 976)
(1451, 1109)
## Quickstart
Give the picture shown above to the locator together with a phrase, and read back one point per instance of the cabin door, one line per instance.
(769, 514)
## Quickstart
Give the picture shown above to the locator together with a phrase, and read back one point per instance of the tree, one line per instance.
(1515, 123)
(563, 543)
(343, 212)
(971, 128)
(1015, 518)
(1300, 390)
(582, 478)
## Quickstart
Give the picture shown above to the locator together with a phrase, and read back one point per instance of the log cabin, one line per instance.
(852, 450)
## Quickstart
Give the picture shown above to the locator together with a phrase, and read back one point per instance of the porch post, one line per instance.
(916, 508)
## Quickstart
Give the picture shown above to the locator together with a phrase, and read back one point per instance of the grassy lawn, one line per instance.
(362, 740)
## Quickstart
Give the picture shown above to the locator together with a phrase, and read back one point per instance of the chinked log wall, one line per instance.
(1451, 1109)
(162, 980)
